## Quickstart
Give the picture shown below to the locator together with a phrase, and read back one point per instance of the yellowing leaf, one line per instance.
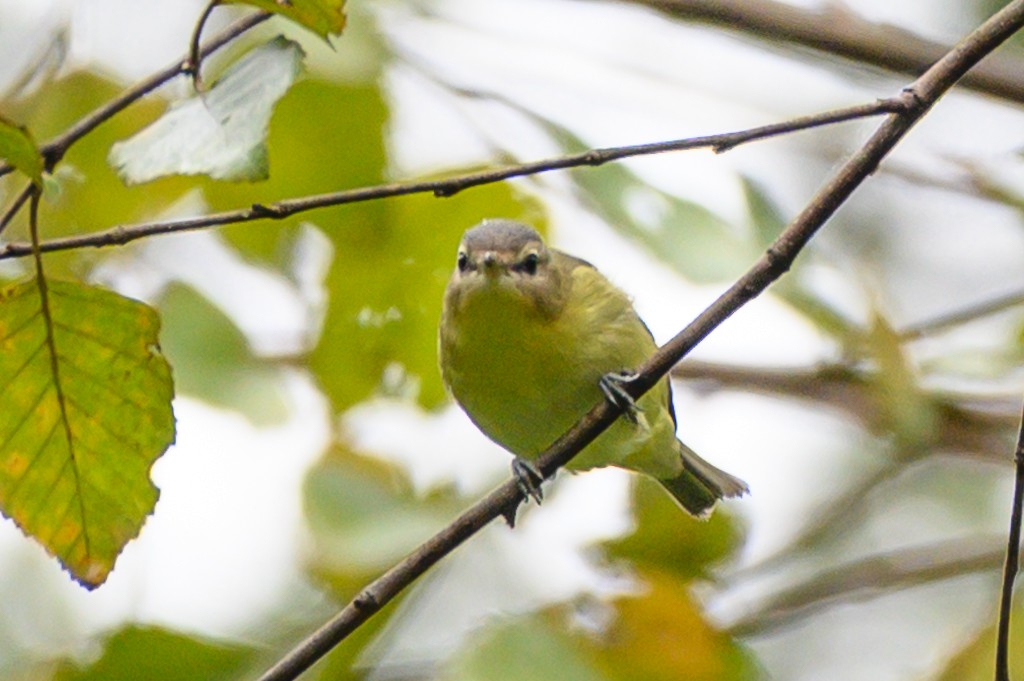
(663, 635)
(220, 133)
(86, 412)
(323, 17)
(18, 149)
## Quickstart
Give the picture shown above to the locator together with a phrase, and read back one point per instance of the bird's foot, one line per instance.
(528, 478)
(613, 385)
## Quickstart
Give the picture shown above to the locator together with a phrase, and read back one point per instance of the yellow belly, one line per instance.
(525, 378)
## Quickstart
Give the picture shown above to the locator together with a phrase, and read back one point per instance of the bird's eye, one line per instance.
(529, 263)
(463, 261)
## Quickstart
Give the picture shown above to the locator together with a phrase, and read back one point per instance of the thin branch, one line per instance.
(448, 187)
(872, 577)
(833, 29)
(54, 150)
(15, 206)
(961, 316)
(194, 64)
(1011, 565)
(965, 423)
(918, 99)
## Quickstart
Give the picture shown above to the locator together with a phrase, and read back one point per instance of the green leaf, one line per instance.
(524, 649)
(668, 540)
(212, 359)
(151, 653)
(323, 17)
(18, 149)
(220, 133)
(364, 519)
(684, 235)
(87, 410)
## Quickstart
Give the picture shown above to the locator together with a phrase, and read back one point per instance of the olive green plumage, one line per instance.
(526, 335)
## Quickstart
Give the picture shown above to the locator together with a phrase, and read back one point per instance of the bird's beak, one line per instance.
(492, 266)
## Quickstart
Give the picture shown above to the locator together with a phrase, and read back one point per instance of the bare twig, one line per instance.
(917, 99)
(452, 185)
(54, 150)
(961, 316)
(1011, 565)
(965, 424)
(834, 29)
(15, 206)
(193, 66)
(872, 577)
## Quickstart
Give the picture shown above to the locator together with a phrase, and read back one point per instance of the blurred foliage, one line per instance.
(976, 660)
(659, 634)
(18, 148)
(136, 653)
(212, 359)
(323, 17)
(671, 542)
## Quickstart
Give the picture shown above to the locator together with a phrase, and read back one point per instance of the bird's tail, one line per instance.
(699, 487)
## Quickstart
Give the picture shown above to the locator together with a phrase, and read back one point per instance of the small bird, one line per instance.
(530, 338)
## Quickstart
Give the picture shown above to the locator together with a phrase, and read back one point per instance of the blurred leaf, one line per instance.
(768, 222)
(524, 649)
(663, 635)
(682, 234)
(18, 149)
(906, 409)
(766, 218)
(666, 539)
(323, 17)
(138, 653)
(976, 660)
(87, 412)
(364, 518)
(212, 359)
(219, 133)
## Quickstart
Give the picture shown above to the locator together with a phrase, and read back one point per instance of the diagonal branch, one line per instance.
(919, 98)
(836, 30)
(450, 186)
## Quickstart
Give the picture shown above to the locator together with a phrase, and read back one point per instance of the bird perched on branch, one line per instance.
(530, 339)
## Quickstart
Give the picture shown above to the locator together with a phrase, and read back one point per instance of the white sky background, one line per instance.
(226, 479)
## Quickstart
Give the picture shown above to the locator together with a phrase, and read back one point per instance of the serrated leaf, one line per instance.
(84, 419)
(18, 149)
(323, 17)
(221, 133)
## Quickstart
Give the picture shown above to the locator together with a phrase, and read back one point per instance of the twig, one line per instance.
(834, 29)
(452, 185)
(918, 99)
(54, 150)
(965, 423)
(872, 577)
(194, 64)
(1011, 565)
(966, 314)
(15, 206)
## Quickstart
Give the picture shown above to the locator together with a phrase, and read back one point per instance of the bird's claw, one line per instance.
(613, 386)
(528, 479)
